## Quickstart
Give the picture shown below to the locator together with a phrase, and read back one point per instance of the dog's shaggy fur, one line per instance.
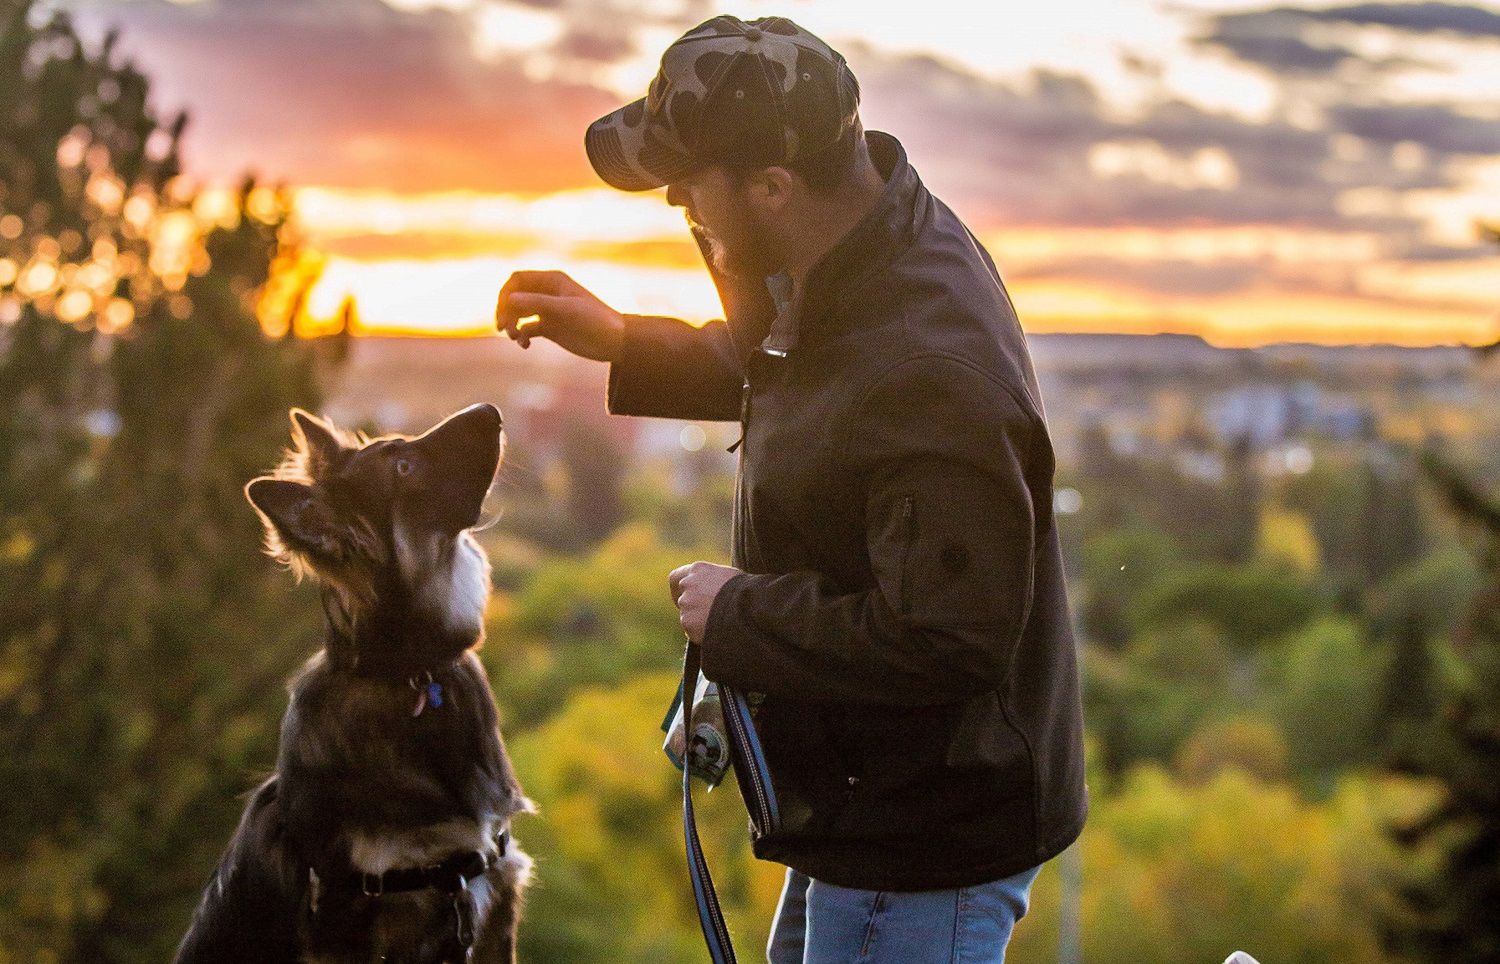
(379, 769)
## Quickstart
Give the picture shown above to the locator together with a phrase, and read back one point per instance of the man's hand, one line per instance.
(694, 587)
(566, 312)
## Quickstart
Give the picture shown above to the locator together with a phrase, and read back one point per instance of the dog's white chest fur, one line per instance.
(422, 847)
(454, 586)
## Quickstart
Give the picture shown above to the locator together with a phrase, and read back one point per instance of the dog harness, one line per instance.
(755, 787)
(450, 876)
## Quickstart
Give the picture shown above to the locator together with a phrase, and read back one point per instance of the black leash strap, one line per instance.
(755, 787)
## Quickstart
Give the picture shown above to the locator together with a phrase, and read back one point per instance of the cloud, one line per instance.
(1272, 39)
(595, 45)
(354, 93)
(1276, 38)
(1458, 18)
(1027, 153)
(357, 93)
(1162, 276)
(1439, 128)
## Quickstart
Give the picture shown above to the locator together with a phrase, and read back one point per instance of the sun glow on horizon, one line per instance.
(433, 264)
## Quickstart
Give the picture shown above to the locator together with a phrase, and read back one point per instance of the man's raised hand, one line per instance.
(566, 312)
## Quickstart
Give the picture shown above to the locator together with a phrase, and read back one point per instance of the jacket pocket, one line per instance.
(983, 737)
(906, 529)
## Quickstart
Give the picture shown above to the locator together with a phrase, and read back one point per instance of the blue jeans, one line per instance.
(821, 923)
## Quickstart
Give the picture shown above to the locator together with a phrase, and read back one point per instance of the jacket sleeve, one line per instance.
(951, 532)
(670, 369)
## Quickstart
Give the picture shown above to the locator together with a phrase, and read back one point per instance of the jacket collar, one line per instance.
(888, 227)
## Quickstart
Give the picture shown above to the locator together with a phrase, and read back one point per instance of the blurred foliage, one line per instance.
(1248, 605)
(1319, 686)
(1450, 915)
(1118, 564)
(143, 640)
(599, 619)
(1248, 744)
(1142, 703)
(611, 871)
(1187, 872)
(1287, 536)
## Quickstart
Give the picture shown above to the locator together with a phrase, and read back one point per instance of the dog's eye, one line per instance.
(403, 466)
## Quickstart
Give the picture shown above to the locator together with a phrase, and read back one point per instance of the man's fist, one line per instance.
(566, 312)
(694, 587)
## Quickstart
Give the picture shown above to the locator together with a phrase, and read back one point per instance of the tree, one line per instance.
(1117, 566)
(1449, 915)
(596, 620)
(1249, 605)
(1414, 615)
(1321, 689)
(1178, 872)
(1391, 530)
(143, 638)
(613, 881)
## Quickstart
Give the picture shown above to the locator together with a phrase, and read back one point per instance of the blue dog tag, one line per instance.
(435, 694)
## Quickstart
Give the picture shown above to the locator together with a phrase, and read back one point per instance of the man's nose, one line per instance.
(677, 195)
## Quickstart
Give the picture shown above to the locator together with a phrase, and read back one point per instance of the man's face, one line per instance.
(719, 212)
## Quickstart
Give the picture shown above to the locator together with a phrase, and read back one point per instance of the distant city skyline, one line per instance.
(1245, 172)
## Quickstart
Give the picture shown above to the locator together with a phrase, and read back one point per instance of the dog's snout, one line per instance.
(487, 410)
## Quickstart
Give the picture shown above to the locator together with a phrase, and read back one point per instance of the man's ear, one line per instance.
(772, 188)
(314, 436)
(293, 512)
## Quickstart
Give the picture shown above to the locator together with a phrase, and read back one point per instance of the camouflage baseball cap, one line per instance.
(759, 92)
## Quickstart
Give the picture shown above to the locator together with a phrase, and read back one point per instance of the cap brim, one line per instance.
(626, 157)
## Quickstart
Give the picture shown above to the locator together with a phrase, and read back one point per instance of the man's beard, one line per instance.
(753, 258)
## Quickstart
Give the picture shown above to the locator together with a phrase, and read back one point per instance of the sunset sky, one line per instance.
(1245, 172)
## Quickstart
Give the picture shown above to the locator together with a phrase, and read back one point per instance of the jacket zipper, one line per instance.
(908, 526)
(744, 415)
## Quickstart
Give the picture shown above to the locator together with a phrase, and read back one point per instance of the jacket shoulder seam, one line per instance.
(1020, 400)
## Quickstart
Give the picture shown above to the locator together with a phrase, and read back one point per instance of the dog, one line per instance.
(384, 832)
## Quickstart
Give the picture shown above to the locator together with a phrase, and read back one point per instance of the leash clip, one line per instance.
(463, 913)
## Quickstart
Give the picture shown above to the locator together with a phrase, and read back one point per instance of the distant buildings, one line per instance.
(1170, 397)
(1272, 413)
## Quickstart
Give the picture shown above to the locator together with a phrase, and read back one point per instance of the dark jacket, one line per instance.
(903, 607)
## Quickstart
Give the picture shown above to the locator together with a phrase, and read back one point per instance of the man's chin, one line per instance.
(726, 263)
(734, 267)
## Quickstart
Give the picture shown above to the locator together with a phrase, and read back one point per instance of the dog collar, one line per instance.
(429, 692)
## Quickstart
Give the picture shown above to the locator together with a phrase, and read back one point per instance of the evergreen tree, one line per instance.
(1239, 526)
(1450, 916)
(1391, 531)
(143, 638)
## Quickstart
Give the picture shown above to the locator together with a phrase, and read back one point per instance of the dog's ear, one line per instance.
(317, 439)
(294, 513)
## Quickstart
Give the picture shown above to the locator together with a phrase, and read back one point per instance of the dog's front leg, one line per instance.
(496, 943)
(249, 910)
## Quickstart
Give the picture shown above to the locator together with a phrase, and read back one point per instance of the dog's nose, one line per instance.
(485, 408)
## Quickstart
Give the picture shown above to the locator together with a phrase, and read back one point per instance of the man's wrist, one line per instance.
(717, 642)
(614, 339)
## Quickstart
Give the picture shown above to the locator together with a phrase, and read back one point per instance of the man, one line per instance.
(897, 592)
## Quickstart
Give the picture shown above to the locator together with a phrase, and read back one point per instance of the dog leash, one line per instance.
(755, 787)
